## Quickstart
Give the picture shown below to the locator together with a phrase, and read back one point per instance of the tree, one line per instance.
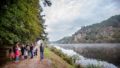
(20, 21)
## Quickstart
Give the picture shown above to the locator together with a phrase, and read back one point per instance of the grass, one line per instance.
(57, 61)
(67, 58)
(93, 66)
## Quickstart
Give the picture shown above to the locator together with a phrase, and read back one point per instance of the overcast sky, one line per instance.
(65, 17)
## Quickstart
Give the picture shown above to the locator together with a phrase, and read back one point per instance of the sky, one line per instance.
(65, 17)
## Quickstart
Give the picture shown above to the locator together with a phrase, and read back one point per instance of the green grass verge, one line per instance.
(57, 61)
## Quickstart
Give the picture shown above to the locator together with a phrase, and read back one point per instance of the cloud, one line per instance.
(65, 17)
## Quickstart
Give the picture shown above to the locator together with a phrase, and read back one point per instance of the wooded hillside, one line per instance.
(107, 31)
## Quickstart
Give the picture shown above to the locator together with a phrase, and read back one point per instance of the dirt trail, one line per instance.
(30, 63)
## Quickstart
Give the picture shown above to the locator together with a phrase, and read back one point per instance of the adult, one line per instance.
(26, 53)
(28, 50)
(22, 51)
(31, 51)
(41, 51)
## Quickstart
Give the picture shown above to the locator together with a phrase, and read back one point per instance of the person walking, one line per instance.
(28, 50)
(41, 52)
(31, 51)
(17, 52)
(22, 51)
(26, 53)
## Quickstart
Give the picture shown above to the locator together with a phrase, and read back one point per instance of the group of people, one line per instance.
(21, 51)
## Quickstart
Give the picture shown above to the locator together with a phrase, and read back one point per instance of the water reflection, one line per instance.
(101, 52)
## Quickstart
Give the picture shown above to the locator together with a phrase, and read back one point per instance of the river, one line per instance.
(101, 52)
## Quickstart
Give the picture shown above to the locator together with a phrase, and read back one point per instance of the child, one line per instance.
(17, 53)
(11, 54)
(25, 54)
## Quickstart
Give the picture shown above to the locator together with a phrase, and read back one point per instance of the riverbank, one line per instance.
(57, 61)
(85, 62)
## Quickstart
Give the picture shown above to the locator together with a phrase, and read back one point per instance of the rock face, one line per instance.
(107, 31)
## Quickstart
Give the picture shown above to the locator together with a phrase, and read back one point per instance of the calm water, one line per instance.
(103, 52)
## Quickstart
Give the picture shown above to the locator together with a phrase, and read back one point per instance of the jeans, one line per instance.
(41, 55)
(31, 54)
(17, 58)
